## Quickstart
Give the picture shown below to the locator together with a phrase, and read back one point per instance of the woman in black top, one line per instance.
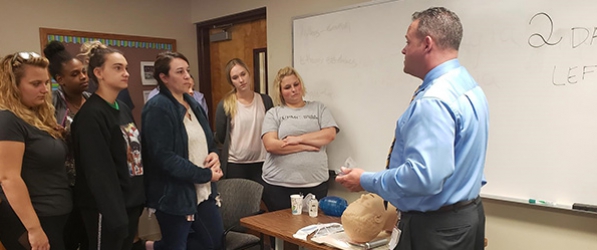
(71, 75)
(35, 198)
(109, 182)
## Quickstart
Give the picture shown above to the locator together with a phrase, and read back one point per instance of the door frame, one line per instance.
(203, 54)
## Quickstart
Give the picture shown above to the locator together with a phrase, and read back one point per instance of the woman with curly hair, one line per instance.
(35, 198)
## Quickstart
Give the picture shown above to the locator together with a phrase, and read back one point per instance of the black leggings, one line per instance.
(278, 197)
(75, 236)
(250, 171)
(110, 240)
(11, 229)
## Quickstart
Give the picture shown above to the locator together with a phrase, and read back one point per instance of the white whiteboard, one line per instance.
(543, 108)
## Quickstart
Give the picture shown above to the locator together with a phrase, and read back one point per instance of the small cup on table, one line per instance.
(296, 203)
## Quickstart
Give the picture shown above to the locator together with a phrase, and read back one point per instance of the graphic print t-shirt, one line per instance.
(132, 137)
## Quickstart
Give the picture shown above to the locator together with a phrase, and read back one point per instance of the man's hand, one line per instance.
(350, 178)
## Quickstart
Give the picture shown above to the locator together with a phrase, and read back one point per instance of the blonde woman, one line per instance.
(239, 117)
(35, 198)
(295, 135)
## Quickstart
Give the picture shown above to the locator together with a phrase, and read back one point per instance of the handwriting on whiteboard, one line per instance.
(317, 32)
(579, 36)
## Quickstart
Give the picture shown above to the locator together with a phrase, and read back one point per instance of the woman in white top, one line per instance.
(239, 117)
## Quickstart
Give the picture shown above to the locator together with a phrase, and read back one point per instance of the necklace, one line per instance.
(188, 113)
(75, 108)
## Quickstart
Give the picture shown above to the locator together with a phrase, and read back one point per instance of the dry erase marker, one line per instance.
(584, 207)
(542, 202)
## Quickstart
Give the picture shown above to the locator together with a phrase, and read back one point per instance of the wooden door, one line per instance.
(246, 37)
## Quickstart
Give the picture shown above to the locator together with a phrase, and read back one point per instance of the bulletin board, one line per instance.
(138, 50)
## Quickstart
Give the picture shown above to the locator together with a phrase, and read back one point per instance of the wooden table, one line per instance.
(282, 225)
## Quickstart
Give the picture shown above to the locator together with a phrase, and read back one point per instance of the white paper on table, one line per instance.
(340, 240)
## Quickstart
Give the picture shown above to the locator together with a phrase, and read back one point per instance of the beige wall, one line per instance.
(20, 21)
(509, 226)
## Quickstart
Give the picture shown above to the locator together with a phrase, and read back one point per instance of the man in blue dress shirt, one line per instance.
(435, 169)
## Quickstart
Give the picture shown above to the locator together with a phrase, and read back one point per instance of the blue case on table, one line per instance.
(333, 205)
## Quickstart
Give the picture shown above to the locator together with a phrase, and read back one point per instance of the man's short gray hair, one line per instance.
(441, 24)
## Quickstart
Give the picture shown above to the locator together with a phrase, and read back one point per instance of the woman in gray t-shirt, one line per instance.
(35, 198)
(295, 134)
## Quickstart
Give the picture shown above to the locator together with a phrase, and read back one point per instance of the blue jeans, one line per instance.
(203, 233)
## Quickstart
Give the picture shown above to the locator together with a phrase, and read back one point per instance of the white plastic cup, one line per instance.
(296, 203)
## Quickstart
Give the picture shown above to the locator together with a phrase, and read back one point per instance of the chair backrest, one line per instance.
(240, 198)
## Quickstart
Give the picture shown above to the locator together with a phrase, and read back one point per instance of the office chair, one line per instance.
(240, 198)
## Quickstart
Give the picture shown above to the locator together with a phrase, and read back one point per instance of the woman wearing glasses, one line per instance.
(35, 198)
(71, 75)
(109, 181)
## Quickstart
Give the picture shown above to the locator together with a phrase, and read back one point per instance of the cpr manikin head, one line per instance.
(364, 219)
